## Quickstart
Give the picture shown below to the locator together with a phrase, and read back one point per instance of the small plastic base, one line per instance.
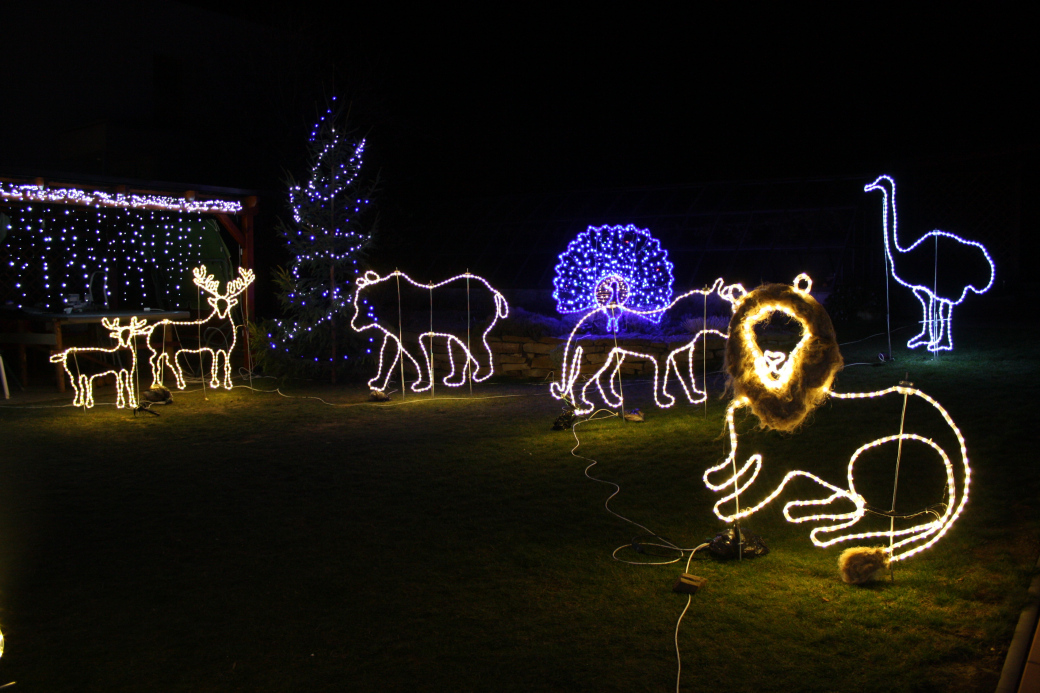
(688, 584)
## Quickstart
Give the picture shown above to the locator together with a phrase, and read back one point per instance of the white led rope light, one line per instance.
(393, 343)
(937, 311)
(564, 388)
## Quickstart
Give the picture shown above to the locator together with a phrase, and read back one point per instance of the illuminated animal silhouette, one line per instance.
(566, 387)
(392, 350)
(220, 317)
(937, 310)
(766, 381)
(83, 384)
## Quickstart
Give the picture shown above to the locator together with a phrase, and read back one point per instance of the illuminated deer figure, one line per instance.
(83, 384)
(222, 303)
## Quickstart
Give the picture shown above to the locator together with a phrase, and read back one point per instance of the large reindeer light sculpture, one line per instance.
(83, 384)
(222, 303)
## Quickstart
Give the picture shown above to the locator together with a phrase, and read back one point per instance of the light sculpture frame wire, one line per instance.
(83, 384)
(220, 316)
(565, 388)
(936, 310)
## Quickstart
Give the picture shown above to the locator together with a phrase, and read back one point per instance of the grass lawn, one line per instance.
(259, 543)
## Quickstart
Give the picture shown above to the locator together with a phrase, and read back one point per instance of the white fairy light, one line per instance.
(328, 235)
(53, 251)
(97, 198)
(937, 311)
(454, 342)
(83, 384)
(621, 265)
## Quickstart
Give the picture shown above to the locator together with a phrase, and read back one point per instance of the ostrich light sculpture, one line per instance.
(936, 324)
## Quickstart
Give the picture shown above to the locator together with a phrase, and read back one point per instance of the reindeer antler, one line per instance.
(239, 284)
(204, 281)
(113, 325)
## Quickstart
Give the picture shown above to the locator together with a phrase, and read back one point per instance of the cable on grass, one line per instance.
(879, 334)
(380, 405)
(689, 599)
(663, 543)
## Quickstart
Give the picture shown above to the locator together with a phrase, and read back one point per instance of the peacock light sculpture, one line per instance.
(936, 303)
(619, 266)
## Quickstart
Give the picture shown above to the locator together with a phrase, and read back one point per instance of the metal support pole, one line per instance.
(400, 332)
(3, 378)
(899, 458)
(432, 386)
(617, 355)
(469, 360)
(704, 347)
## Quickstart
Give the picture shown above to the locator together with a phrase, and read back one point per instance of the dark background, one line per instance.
(460, 106)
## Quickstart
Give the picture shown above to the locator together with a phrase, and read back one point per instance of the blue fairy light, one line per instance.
(613, 265)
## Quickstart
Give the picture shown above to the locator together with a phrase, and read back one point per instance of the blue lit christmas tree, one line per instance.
(332, 226)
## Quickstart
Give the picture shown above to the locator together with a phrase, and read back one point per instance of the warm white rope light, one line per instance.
(83, 384)
(904, 542)
(221, 303)
(565, 387)
(781, 374)
(392, 342)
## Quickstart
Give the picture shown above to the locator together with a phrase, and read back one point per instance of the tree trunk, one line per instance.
(332, 318)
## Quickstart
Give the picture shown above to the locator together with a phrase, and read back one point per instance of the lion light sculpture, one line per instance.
(782, 389)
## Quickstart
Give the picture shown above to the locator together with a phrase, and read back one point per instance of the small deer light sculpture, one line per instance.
(83, 384)
(220, 317)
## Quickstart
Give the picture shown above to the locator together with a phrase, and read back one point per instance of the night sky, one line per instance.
(459, 105)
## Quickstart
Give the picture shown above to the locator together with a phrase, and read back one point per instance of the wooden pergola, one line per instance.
(233, 209)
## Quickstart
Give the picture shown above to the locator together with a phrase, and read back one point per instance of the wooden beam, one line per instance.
(233, 229)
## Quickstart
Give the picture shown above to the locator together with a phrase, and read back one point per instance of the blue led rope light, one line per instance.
(937, 311)
(620, 265)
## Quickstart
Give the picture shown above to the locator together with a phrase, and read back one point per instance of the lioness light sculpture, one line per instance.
(565, 387)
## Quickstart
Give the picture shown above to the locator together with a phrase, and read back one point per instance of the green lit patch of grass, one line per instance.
(252, 542)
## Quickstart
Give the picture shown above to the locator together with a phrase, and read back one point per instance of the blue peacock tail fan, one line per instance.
(620, 265)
